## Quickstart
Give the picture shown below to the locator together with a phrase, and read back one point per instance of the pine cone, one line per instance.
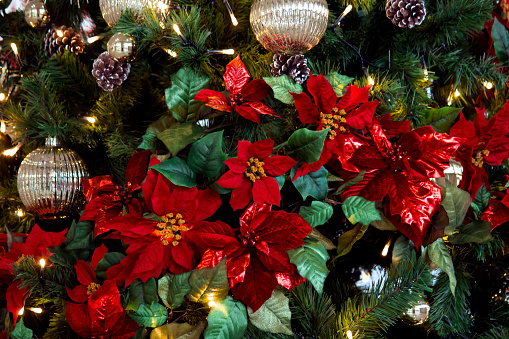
(296, 66)
(59, 39)
(405, 13)
(110, 73)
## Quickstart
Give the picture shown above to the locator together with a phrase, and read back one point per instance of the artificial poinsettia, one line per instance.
(245, 97)
(498, 210)
(102, 316)
(485, 142)
(258, 262)
(86, 276)
(106, 200)
(401, 171)
(336, 115)
(36, 247)
(167, 242)
(252, 173)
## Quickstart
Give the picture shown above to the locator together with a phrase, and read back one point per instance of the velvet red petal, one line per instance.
(236, 76)
(277, 165)
(236, 165)
(256, 90)
(137, 168)
(38, 241)
(363, 116)
(394, 129)
(78, 319)
(207, 235)
(78, 294)
(15, 296)
(243, 150)
(149, 263)
(308, 111)
(464, 129)
(499, 124)
(266, 190)
(84, 273)
(280, 227)
(322, 92)
(353, 97)
(261, 149)
(99, 253)
(242, 195)
(499, 150)
(248, 113)
(231, 180)
(162, 202)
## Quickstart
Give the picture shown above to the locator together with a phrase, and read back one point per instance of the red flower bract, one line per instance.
(245, 97)
(251, 174)
(168, 242)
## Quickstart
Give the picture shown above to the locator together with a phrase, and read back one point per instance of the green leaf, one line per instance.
(351, 182)
(402, 249)
(21, 332)
(439, 254)
(177, 137)
(106, 262)
(185, 84)
(481, 201)
(307, 144)
(338, 82)
(326, 242)
(311, 261)
(274, 316)
(149, 141)
(317, 214)
(179, 331)
(61, 257)
(280, 181)
(209, 284)
(150, 316)
(456, 203)
(478, 231)
(228, 320)
(172, 288)
(206, 155)
(500, 41)
(220, 189)
(177, 171)
(313, 184)
(80, 239)
(441, 119)
(281, 86)
(347, 239)
(141, 293)
(359, 210)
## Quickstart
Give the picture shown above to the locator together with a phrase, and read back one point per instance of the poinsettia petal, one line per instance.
(38, 241)
(104, 302)
(363, 116)
(97, 205)
(236, 165)
(496, 213)
(137, 168)
(499, 124)
(92, 187)
(133, 226)
(256, 90)
(277, 165)
(290, 280)
(182, 255)
(78, 319)
(499, 151)
(260, 108)
(162, 202)
(261, 149)
(273, 257)
(231, 180)
(480, 123)
(281, 228)
(246, 218)
(368, 156)
(78, 294)
(308, 111)
(149, 263)
(210, 258)
(98, 255)
(266, 190)
(15, 296)
(207, 235)
(353, 97)
(465, 129)
(243, 150)
(236, 265)
(126, 331)
(214, 99)
(394, 129)
(322, 92)
(306, 168)
(248, 113)
(242, 195)
(378, 187)
(114, 323)
(84, 273)
(236, 76)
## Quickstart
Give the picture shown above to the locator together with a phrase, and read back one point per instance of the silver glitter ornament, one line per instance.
(50, 181)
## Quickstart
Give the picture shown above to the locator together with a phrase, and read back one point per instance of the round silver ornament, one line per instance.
(289, 26)
(50, 181)
(122, 47)
(36, 14)
(113, 9)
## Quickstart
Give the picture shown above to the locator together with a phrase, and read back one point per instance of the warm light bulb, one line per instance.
(426, 77)
(349, 334)
(90, 119)
(229, 51)
(42, 263)
(176, 28)
(345, 12)
(36, 310)
(230, 11)
(488, 85)
(2, 96)
(3, 128)
(93, 39)
(20, 212)
(222, 51)
(212, 303)
(371, 81)
(14, 48)
(11, 151)
(162, 6)
(234, 20)
(21, 311)
(385, 250)
(457, 93)
(60, 33)
(171, 52)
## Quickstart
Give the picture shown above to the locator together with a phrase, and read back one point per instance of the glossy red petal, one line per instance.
(231, 180)
(322, 92)
(273, 257)
(379, 138)
(248, 113)
(236, 165)
(236, 76)
(137, 168)
(496, 213)
(367, 156)
(499, 124)
(236, 265)
(465, 129)
(104, 302)
(78, 294)
(290, 280)
(277, 165)
(256, 90)
(78, 319)
(281, 228)
(126, 331)
(210, 258)
(92, 187)
(266, 190)
(99, 253)
(308, 111)
(260, 108)
(38, 241)
(214, 99)
(353, 97)
(363, 116)
(394, 129)
(242, 195)
(248, 215)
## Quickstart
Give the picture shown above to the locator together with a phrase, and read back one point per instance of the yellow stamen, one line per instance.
(254, 170)
(92, 288)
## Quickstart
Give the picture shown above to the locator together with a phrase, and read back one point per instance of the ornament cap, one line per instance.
(53, 142)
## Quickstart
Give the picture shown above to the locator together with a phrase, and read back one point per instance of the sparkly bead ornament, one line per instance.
(113, 9)
(36, 14)
(50, 181)
(289, 26)
(122, 47)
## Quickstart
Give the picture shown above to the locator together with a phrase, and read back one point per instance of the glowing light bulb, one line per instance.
(11, 151)
(171, 52)
(212, 303)
(36, 310)
(488, 85)
(386, 247)
(2, 96)
(90, 119)
(349, 334)
(93, 39)
(14, 48)
(21, 311)
(457, 93)
(162, 6)
(222, 51)
(230, 11)
(176, 28)
(345, 12)
(20, 212)
(370, 80)
(3, 128)
(60, 33)
(42, 263)
(426, 77)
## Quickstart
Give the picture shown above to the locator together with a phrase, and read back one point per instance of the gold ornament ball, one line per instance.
(289, 26)
(122, 47)
(50, 181)
(113, 9)
(36, 14)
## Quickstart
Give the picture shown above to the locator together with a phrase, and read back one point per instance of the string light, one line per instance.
(162, 6)
(176, 28)
(488, 85)
(14, 48)
(90, 119)
(2, 96)
(386, 247)
(171, 52)
(20, 213)
(3, 128)
(349, 334)
(60, 33)
(212, 303)
(230, 11)
(345, 12)
(21, 311)
(42, 262)
(426, 77)
(36, 310)
(222, 51)
(457, 93)
(93, 39)
(12, 151)
(371, 81)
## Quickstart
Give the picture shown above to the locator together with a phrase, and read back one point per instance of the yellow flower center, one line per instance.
(478, 157)
(332, 120)
(92, 288)
(255, 169)
(170, 229)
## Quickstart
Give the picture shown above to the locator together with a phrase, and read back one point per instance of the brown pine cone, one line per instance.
(405, 13)
(296, 66)
(110, 73)
(59, 39)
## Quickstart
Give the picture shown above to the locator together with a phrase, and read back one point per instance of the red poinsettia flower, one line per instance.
(168, 242)
(252, 173)
(106, 200)
(485, 142)
(86, 276)
(36, 245)
(336, 115)
(245, 97)
(102, 316)
(401, 171)
(498, 210)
